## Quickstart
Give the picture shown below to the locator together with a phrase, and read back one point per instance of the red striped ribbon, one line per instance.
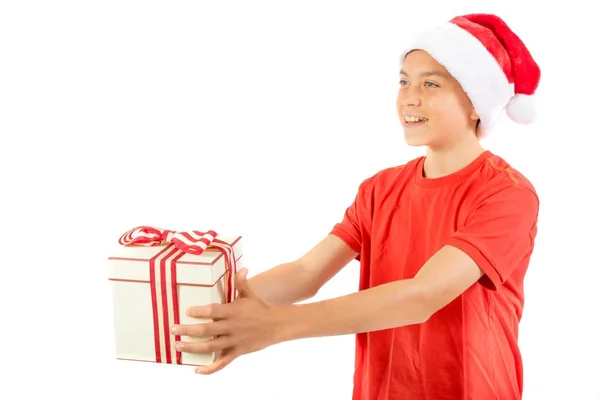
(163, 264)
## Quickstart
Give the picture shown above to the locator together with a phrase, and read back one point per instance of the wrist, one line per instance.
(289, 325)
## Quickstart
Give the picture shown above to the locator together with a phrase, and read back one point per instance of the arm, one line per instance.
(301, 279)
(251, 324)
(410, 301)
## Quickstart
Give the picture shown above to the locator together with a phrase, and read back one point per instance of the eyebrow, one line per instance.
(427, 73)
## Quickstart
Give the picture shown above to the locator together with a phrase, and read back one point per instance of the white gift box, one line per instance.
(153, 286)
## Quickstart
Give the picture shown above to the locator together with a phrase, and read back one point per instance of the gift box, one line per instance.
(155, 275)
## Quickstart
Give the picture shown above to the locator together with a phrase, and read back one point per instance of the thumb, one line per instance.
(241, 284)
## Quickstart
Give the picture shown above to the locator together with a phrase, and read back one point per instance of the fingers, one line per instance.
(212, 311)
(207, 329)
(226, 357)
(241, 284)
(209, 346)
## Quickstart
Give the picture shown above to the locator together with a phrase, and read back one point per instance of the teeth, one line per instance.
(408, 118)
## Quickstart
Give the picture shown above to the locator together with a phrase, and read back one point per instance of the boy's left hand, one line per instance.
(246, 325)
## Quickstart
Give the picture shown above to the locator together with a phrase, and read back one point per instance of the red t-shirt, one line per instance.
(468, 349)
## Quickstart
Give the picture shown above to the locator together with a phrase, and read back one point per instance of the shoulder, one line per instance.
(503, 187)
(498, 172)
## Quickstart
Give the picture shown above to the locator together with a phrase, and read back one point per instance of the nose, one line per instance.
(409, 96)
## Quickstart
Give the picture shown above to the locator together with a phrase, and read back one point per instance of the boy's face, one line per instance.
(433, 108)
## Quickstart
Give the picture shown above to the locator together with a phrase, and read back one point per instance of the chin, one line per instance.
(416, 143)
(416, 140)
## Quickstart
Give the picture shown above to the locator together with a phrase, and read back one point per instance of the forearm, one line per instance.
(284, 284)
(387, 306)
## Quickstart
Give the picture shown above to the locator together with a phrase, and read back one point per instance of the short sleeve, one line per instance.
(350, 228)
(499, 234)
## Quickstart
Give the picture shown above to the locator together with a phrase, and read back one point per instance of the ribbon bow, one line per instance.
(193, 242)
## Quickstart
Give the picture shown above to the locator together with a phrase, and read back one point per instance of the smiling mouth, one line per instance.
(409, 119)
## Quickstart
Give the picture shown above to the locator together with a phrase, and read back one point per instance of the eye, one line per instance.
(403, 82)
(431, 84)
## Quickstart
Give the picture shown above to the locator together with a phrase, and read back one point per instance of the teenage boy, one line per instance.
(443, 241)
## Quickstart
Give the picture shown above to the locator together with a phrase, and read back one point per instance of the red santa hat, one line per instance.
(490, 62)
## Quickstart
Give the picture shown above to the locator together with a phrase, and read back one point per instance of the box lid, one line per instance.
(137, 262)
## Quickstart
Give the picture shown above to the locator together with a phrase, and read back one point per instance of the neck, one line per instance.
(445, 160)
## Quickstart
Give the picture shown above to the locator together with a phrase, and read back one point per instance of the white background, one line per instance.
(256, 118)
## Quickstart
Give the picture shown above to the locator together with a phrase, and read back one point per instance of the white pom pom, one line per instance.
(521, 109)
